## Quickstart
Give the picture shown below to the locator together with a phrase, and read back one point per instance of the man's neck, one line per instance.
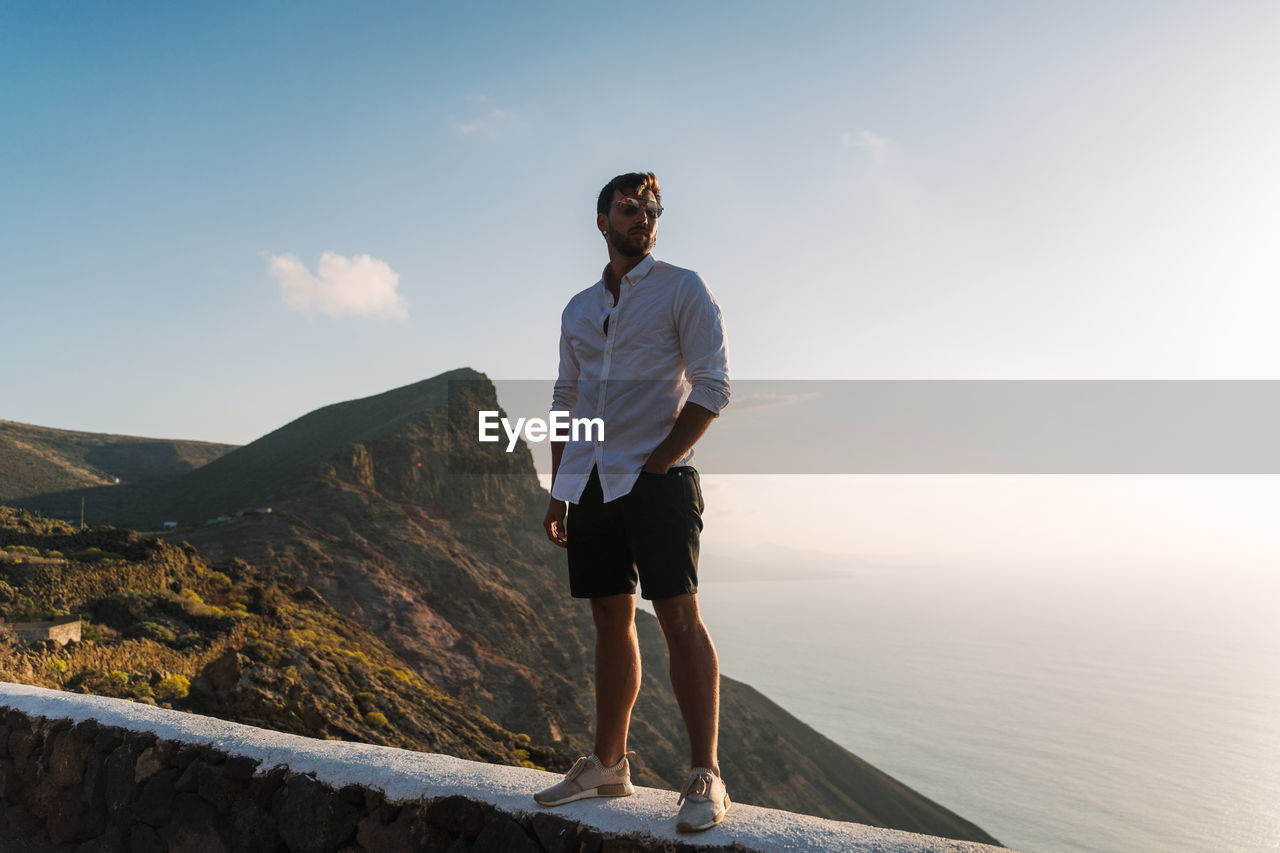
(619, 265)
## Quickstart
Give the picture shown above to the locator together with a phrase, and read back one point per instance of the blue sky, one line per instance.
(872, 190)
(214, 219)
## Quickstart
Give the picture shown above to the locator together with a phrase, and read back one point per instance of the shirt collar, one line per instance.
(641, 269)
(638, 272)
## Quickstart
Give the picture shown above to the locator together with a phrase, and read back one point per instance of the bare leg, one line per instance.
(695, 675)
(617, 673)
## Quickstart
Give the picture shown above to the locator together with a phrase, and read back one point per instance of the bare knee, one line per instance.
(681, 623)
(613, 613)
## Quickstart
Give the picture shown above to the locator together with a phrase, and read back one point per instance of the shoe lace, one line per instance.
(698, 785)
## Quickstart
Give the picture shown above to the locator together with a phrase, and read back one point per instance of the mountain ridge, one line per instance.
(38, 461)
(435, 544)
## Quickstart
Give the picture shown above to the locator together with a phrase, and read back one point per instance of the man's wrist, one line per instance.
(659, 464)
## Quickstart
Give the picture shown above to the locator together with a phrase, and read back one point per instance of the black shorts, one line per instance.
(650, 534)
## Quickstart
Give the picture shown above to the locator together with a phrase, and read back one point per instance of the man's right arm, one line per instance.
(553, 521)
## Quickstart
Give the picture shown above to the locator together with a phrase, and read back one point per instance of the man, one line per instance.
(631, 347)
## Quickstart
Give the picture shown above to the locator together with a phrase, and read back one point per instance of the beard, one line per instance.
(630, 245)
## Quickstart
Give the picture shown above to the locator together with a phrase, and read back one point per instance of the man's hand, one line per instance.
(690, 424)
(553, 523)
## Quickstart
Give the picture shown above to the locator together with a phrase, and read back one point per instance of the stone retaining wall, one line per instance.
(88, 787)
(62, 630)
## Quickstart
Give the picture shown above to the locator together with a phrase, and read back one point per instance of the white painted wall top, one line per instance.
(405, 775)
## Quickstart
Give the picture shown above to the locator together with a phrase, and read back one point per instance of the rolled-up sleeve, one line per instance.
(565, 396)
(703, 344)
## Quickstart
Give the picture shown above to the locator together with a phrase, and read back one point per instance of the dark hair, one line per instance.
(636, 182)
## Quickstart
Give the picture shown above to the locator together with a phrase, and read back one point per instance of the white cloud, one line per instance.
(360, 286)
(488, 124)
(482, 119)
(877, 146)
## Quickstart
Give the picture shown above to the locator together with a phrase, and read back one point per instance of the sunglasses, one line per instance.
(630, 207)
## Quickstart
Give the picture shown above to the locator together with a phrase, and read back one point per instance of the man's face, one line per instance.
(630, 231)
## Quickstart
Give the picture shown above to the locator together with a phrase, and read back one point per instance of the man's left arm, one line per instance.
(685, 432)
(706, 357)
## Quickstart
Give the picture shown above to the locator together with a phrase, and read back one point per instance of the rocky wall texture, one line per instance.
(86, 787)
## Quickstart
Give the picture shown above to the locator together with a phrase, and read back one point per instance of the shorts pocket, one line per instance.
(693, 489)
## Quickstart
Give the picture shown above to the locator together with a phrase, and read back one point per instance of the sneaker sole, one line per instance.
(686, 827)
(589, 793)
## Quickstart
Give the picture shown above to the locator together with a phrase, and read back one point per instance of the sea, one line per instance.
(1069, 713)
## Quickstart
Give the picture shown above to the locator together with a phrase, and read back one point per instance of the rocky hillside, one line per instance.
(401, 521)
(161, 626)
(52, 468)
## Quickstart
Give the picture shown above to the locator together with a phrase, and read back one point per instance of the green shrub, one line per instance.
(155, 631)
(124, 606)
(264, 652)
(173, 687)
(187, 640)
(377, 720)
(97, 555)
(186, 604)
(91, 632)
(185, 614)
(117, 680)
(361, 657)
(32, 610)
(303, 638)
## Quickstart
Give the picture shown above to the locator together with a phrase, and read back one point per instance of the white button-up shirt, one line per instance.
(664, 344)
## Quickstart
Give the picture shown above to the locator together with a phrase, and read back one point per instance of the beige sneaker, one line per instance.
(703, 801)
(589, 778)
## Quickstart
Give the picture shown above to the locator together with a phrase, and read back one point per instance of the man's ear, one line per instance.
(602, 223)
